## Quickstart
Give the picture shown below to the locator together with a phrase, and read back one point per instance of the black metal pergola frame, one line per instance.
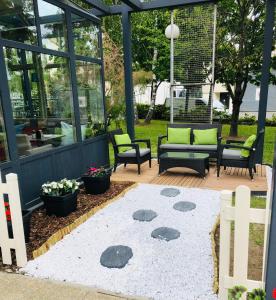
(130, 6)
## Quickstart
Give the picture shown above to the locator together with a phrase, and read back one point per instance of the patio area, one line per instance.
(229, 178)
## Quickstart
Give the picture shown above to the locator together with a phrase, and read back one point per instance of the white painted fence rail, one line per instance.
(18, 241)
(242, 215)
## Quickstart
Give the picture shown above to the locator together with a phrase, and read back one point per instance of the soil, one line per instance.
(43, 227)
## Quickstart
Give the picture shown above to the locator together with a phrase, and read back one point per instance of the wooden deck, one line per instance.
(229, 179)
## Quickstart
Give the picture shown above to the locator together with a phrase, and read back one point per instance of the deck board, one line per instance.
(229, 178)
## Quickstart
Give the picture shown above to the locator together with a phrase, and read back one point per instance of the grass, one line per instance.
(158, 127)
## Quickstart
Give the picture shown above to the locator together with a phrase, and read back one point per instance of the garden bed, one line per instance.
(46, 228)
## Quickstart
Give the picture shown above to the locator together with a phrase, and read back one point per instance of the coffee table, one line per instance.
(195, 161)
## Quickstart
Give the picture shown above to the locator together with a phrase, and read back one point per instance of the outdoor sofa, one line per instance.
(199, 138)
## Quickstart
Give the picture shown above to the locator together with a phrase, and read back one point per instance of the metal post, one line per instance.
(271, 251)
(268, 39)
(172, 71)
(213, 62)
(128, 73)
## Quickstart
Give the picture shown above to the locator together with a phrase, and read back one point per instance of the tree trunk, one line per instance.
(236, 101)
(136, 119)
(154, 87)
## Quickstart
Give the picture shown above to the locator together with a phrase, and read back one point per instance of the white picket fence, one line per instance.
(243, 216)
(17, 243)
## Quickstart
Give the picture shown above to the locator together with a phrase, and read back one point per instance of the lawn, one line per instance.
(158, 127)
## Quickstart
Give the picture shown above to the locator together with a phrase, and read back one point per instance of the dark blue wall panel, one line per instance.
(66, 162)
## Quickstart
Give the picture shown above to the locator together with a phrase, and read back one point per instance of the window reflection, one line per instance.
(41, 97)
(17, 21)
(4, 154)
(90, 99)
(86, 37)
(52, 25)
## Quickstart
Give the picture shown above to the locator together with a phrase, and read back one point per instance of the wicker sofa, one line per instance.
(212, 150)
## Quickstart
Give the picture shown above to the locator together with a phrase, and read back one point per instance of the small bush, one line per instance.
(161, 112)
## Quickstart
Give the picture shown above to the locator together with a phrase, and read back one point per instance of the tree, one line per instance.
(151, 49)
(240, 38)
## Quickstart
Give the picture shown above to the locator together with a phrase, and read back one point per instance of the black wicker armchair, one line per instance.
(230, 156)
(136, 155)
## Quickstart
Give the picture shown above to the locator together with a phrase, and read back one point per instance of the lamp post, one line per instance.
(172, 32)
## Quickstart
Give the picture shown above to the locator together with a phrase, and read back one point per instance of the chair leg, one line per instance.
(251, 173)
(150, 162)
(139, 169)
(224, 168)
(125, 165)
(218, 170)
(115, 167)
(255, 169)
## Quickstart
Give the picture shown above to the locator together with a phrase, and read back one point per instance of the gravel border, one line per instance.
(158, 269)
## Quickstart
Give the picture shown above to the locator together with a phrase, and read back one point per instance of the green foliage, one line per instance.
(257, 294)
(161, 112)
(236, 292)
(148, 36)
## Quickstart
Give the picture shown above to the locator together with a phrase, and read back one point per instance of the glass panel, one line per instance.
(17, 21)
(53, 27)
(4, 153)
(41, 95)
(86, 37)
(90, 96)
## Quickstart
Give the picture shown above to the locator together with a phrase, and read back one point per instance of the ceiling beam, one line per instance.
(154, 4)
(99, 5)
(135, 4)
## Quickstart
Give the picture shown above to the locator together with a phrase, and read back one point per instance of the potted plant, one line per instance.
(26, 217)
(60, 197)
(97, 180)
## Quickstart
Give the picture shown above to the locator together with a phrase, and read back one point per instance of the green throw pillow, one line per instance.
(205, 136)
(122, 139)
(179, 136)
(248, 143)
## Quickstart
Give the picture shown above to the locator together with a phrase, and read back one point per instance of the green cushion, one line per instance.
(248, 143)
(179, 136)
(205, 136)
(122, 139)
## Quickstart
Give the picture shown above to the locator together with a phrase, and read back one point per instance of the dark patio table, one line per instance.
(195, 161)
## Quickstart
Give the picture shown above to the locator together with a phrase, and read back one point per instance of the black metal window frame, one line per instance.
(68, 9)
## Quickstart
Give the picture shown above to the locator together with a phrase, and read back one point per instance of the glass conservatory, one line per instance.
(52, 115)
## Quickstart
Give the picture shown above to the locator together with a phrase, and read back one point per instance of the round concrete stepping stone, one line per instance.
(184, 206)
(144, 215)
(116, 256)
(165, 233)
(170, 192)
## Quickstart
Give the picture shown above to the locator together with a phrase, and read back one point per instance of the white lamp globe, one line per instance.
(172, 31)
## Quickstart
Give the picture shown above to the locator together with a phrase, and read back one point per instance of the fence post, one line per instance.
(4, 235)
(225, 234)
(17, 221)
(241, 244)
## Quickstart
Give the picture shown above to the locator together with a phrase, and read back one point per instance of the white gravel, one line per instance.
(175, 270)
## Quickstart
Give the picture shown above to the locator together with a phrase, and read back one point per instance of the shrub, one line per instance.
(142, 110)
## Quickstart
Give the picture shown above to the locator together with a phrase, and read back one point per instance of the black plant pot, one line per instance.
(60, 206)
(26, 216)
(96, 185)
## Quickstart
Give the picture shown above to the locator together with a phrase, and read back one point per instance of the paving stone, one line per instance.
(144, 215)
(170, 192)
(165, 233)
(184, 206)
(116, 256)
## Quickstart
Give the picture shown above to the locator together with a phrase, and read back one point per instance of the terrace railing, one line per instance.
(10, 189)
(242, 216)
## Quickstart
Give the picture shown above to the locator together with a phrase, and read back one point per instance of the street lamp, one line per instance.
(172, 32)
